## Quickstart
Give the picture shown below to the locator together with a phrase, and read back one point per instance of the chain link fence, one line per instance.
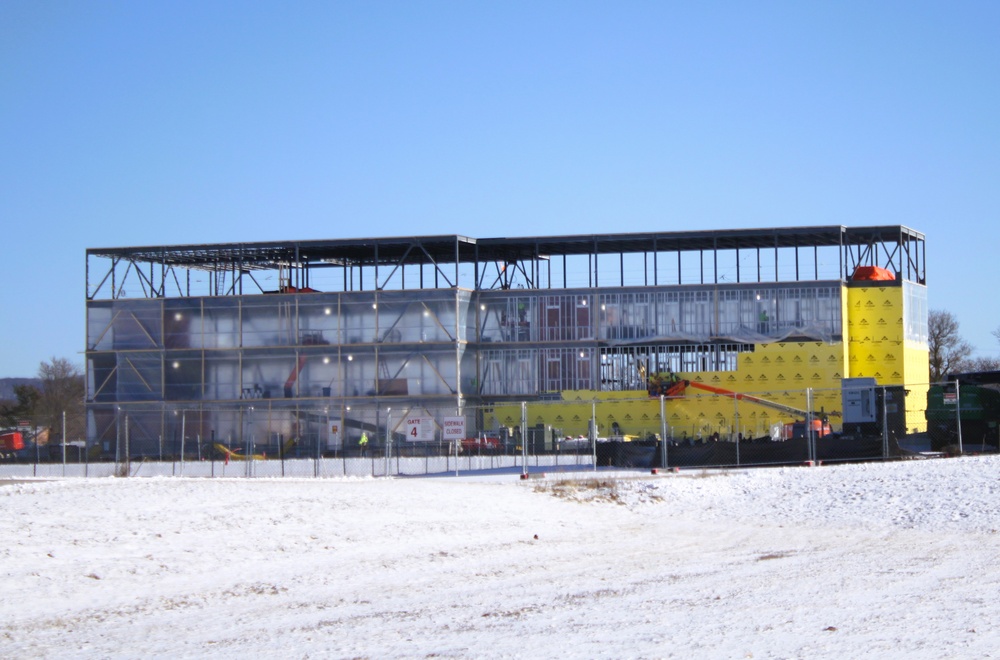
(687, 425)
(43, 444)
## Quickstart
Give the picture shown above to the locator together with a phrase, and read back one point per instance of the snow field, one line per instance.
(875, 560)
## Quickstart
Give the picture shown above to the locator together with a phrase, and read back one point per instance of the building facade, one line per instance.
(304, 345)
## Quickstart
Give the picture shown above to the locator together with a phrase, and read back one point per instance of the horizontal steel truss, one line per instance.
(444, 262)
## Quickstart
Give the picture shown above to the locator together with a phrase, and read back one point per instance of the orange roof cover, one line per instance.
(288, 288)
(875, 273)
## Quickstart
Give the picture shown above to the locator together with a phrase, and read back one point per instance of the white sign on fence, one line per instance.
(333, 439)
(454, 428)
(419, 429)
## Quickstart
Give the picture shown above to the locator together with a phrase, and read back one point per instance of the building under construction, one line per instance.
(310, 343)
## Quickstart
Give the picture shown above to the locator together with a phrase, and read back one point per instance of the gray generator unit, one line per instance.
(865, 404)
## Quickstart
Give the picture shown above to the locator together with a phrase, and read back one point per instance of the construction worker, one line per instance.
(763, 321)
(363, 443)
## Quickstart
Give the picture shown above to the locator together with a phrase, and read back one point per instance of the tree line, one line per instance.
(59, 398)
(949, 353)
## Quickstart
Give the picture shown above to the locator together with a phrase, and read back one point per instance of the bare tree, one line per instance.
(986, 363)
(949, 353)
(981, 364)
(62, 392)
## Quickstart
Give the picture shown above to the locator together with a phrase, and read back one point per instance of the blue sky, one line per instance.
(144, 123)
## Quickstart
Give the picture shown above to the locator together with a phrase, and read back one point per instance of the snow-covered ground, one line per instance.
(879, 560)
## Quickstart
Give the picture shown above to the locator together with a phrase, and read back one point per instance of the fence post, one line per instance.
(885, 424)
(319, 442)
(958, 415)
(183, 433)
(736, 424)
(118, 436)
(663, 431)
(249, 443)
(524, 438)
(810, 436)
(593, 432)
(388, 440)
(128, 460)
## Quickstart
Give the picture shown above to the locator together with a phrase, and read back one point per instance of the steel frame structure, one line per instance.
(436, 322)
(454, 261)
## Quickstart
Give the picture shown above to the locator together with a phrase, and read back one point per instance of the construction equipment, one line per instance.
(236, 455)
(482, 444)
(677, 387)
(12, 441)
(308, 339)
(670, 386)
(797, 429)
(292, 377)
(9, 443)
(975, 402)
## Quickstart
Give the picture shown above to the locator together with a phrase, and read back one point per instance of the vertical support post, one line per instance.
(183, 433)
(524, 438)
(663, 431)
(885, 423)
(809, 426)
(736, 427)
(593, 432)
(458, 339)
(319, 441)
(958, 416)
(64, 442)
(248, 442)
(118, 435)
(388, 440)
(128, 454)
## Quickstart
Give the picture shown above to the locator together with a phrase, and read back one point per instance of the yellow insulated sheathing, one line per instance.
(779, 372)
(877, 346)
(875, 333)
(782, 372)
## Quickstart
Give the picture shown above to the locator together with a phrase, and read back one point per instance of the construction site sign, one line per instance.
(333, 439)
(453, 428)
(419, 429)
